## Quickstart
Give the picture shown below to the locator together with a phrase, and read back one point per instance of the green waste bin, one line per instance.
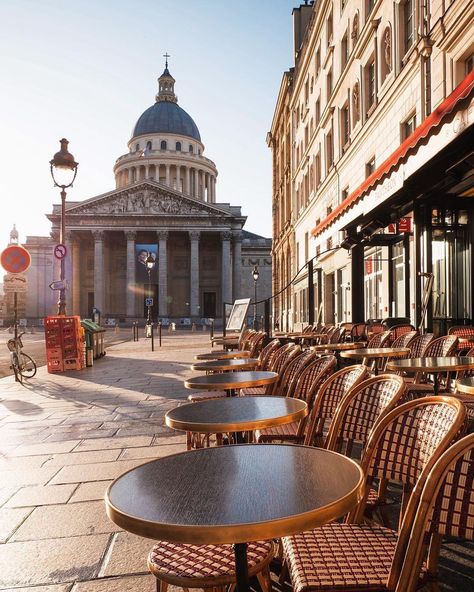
(94, 337)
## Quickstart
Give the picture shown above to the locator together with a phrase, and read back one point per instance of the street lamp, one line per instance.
(63, 171)
(150, 264)
(255, 275)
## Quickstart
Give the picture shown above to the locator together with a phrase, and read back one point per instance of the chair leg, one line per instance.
(265, 580)
(161, 586)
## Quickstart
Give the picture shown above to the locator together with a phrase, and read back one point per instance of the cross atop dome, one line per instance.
(166, 84)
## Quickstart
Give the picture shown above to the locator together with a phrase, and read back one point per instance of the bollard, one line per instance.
(152, 330)
(159, 333)
(193, 327)
(212, 330)
(135, 331)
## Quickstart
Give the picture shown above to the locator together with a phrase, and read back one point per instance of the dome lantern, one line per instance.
(166, 85)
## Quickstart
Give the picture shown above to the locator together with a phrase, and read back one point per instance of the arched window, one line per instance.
(148, 145)
(178, 146)
(386, 53)
(163, 145)
(199, 151)
(191, 149)
(137, 147)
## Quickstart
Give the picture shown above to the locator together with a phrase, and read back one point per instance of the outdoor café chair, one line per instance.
(379, 340)
(403, 446)
(281, 358)
(307, 385)
(446, 509)
(327, 399)
(418, 345)
(404, 339)
(207, 566)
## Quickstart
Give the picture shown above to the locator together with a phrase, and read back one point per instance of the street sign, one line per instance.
(148, 301)
(60, 251)
(15, 259)
(58, 285)
(14, 283)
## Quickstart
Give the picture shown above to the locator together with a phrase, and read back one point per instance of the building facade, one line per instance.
(378, 112)
(164, 204)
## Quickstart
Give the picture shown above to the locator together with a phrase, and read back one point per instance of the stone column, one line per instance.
(167, 174)
(194, 277)
(76, 277)
(237, 263)
(147, 172)
(162, 273)
(213, 189)
(226, 267)
(208, 187)
(99, 270)
(187, 180)
(196, 183)
(130, 273)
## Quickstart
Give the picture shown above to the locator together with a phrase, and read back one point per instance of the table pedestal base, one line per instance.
(241, 567)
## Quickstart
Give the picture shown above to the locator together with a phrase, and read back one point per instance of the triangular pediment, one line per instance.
(146, 198)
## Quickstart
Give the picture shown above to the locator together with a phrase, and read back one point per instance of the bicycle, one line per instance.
(22, 364)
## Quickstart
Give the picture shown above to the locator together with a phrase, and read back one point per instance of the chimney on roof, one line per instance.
(301, 18)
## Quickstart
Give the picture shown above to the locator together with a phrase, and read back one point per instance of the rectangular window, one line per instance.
(344, 194)
(318, 111)
(329, 84)
(408, 127)
(370, 6)
(344, 51)
(317, 170)
(370, 167)
(329, 29)
(306, 91)
(343, 4)
(306, 247)
(345, 127)
(329, 151)
(318, 61)
(409, 24)
(370, 85)
(469, 64)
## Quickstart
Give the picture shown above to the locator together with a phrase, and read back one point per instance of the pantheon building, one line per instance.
(164, 203)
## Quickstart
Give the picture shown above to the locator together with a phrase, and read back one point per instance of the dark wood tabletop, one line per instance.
(235, 494)
(236, 414)
(465, 385)
(432, 365)
(336, 346)
(221, 354)
(231, 380)
(376, 352)
(227, 364)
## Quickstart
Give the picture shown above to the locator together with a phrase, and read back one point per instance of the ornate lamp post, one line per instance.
(255, 275)
(150, 264)
(63, 172)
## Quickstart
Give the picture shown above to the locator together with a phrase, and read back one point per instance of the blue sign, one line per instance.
(148, 301)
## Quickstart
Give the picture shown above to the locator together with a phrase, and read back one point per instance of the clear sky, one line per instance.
(86, 70)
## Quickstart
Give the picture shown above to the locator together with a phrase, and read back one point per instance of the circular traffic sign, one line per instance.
(60, 251)
(15, 259)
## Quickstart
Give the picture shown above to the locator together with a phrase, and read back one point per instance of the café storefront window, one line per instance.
(398, 279)
(373, 285)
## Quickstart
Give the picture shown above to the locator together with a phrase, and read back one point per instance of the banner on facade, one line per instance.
(142, 251)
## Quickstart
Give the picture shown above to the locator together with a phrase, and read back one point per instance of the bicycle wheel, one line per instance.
(15, 366)
(27, 366)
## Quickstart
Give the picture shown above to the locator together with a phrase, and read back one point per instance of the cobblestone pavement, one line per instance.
(65, 437)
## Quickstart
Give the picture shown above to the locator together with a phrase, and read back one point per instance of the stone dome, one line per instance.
(166, 117)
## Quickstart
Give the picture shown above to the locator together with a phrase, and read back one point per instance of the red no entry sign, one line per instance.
(15, 259)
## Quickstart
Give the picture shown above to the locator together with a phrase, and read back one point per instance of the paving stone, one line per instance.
(23, 463)
(45, 448)
(139, 583)
(127, 554)
(53, 588)
(69, 520)
(94, 490)
(28, 477)
(92, 472)
(41, 496)
(150, 452)
(108, 443)
(10, 520)
(51, 561)
(82, 458)
(82, 434)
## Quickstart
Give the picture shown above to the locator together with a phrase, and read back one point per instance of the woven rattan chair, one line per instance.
(278, 363)
(358, 332)
(327, 399)
(462, 331)
(207, 566)
(306, 388)
(443, 346)
(379, 340)
(403, 446)
(446, 509)
(398, 330)
(405, 339)
(418, 345)
(256, 344)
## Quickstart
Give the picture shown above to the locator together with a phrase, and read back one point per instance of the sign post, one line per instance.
(15, 259)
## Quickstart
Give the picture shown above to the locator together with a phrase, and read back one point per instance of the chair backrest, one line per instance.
(308, 329)
(419, 344)
(330, 393)
(293, 371)
(358, 331)
(446, 507)
(398, 330)
(244, 337)
(308, 382)
(337, 335)
(282, 358)
(267, 353)
(403, 447)
(379, 340)
(462, 331)
(404, 339)
(361, 407)
(257, 343)
(443, 346)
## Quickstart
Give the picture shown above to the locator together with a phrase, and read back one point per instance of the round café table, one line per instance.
(222, 354)
(336, 347)
(236, 414)
(375, 353)
(465, 385)
(235, 495)
(231, 381)
(434, 366)
(225, 365)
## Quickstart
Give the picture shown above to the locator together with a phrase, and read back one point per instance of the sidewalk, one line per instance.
(63, 438)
